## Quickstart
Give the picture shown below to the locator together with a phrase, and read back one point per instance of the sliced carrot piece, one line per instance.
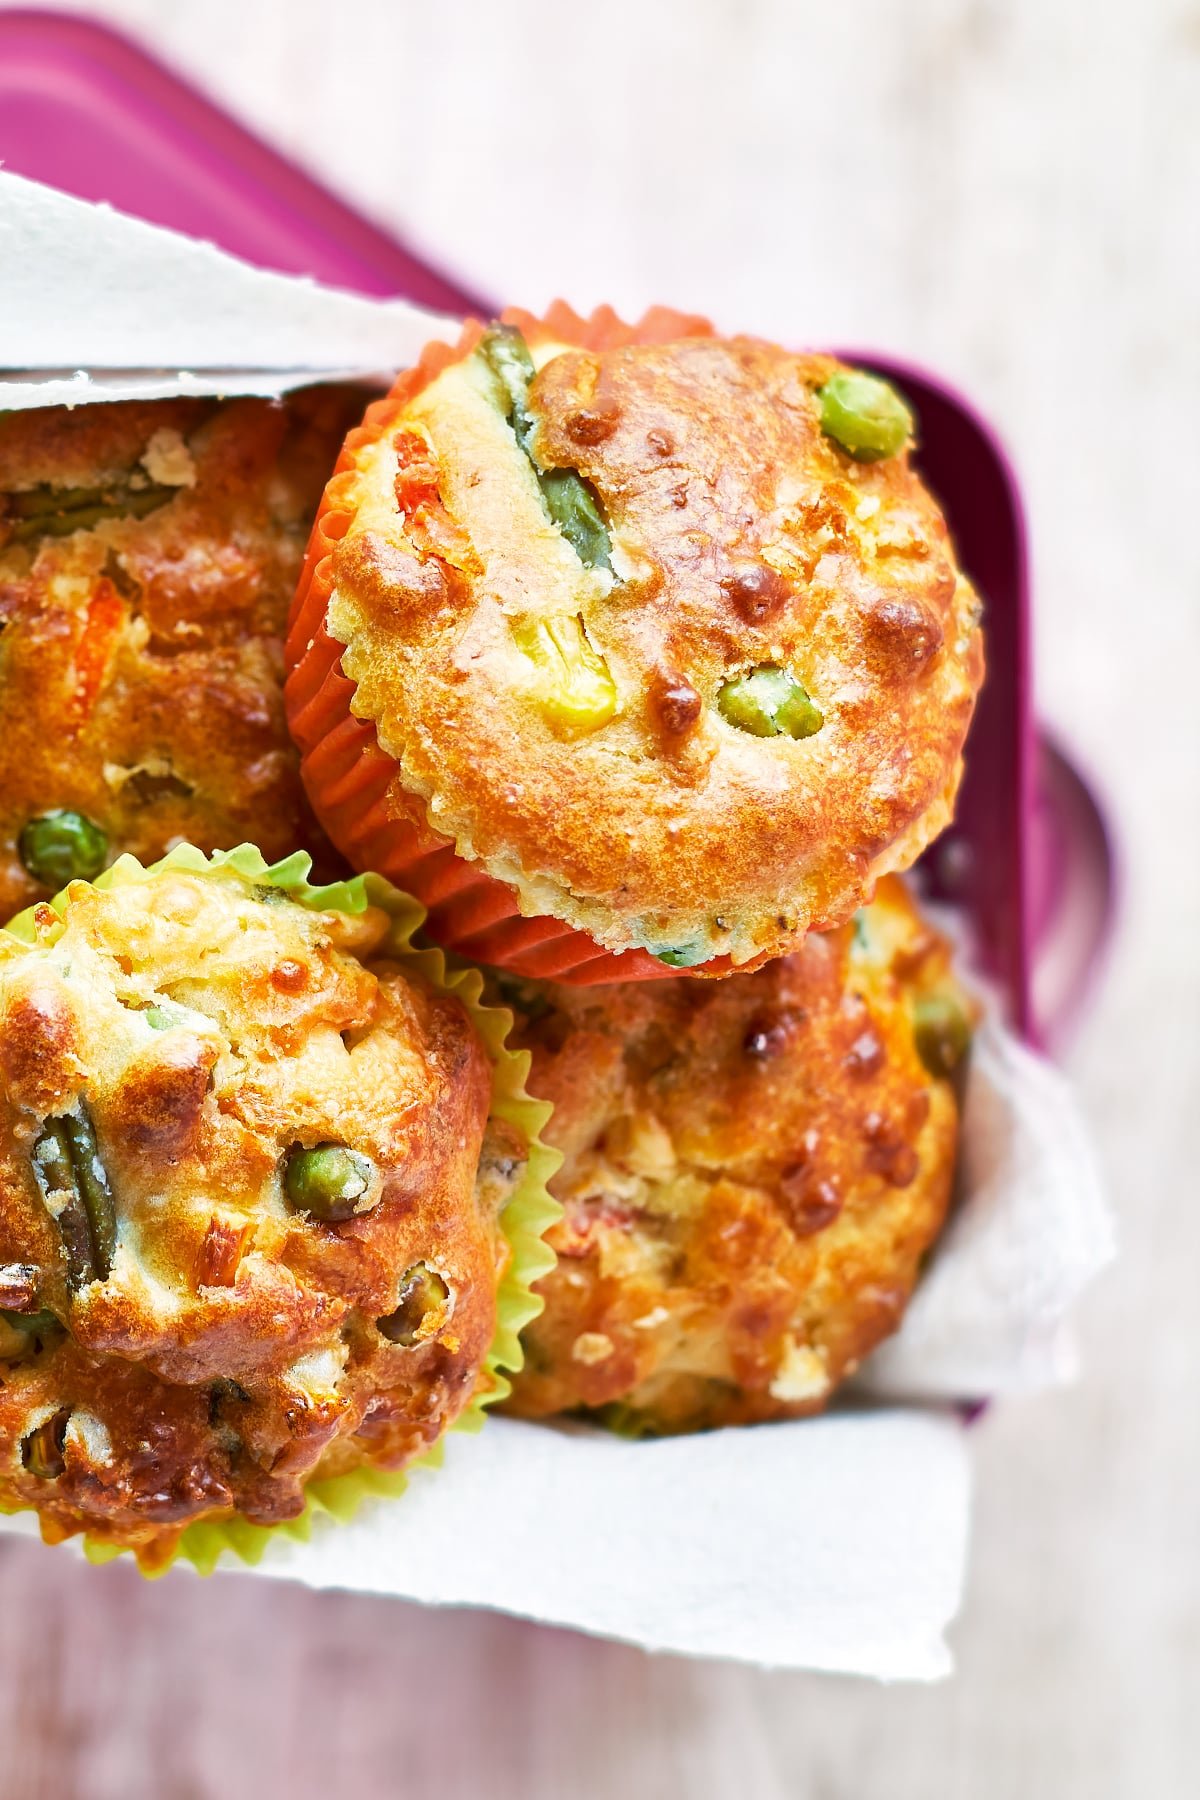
(101, 628)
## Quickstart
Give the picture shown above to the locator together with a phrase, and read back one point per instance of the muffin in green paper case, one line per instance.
(272, 1199)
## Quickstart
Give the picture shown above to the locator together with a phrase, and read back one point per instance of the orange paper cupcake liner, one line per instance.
(354, 785)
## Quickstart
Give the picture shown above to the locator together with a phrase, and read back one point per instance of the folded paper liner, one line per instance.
(836, 1543)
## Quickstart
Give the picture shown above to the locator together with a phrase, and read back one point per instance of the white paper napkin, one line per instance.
(835, 1543)
(1032, 1230)
(98, 306)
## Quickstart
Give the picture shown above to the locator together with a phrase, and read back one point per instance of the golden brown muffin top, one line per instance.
(753, 1172)
(565, 700)
(241, 1230)
(148, 553)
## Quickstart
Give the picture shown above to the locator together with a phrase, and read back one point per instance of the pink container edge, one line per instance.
(87, 110)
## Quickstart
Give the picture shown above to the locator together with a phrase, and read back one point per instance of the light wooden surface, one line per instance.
(1009, 190)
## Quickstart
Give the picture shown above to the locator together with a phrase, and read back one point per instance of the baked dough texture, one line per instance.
(754, 1171)
(230, 1333)
(561, 716)
(148, 555)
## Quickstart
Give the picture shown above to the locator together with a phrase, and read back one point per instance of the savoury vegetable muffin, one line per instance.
(248, 1215)
(653, 637)
(148, 554)
(753, 1172)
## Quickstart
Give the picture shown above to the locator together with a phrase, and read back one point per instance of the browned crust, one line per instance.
(141, 660)
(753, 1172)
(232, 1352)
(717, 482)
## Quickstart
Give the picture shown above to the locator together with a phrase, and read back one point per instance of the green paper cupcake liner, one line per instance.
(525, 1220)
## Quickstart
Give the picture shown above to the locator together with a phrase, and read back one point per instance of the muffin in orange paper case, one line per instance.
(631, 649)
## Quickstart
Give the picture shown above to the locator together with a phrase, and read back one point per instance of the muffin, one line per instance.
(250, 1202)
(753, 1171)
(632, 649)
(148, 554)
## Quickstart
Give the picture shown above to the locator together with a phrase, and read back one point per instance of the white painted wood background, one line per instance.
(1010, 191)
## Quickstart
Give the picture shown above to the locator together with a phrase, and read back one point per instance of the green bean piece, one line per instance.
(38, 502)
(52, 1159)
(42, 1450)
(327, 1181)
(572, 505)
(57, 512)
(569, 499)
(422, 1291)
(92, 1178)
(55, 1174)
(67, 1165)
(864, 415)
(62, 846)
(504, 350)
(768, 702)
(941, 1032)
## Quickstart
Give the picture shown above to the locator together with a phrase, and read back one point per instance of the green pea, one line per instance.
(683, 956)
(327, 1181)
(42, 1450)
(864, 415)
(768, 702)
(941, 1032)
(62, 846)
(422, 1291)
